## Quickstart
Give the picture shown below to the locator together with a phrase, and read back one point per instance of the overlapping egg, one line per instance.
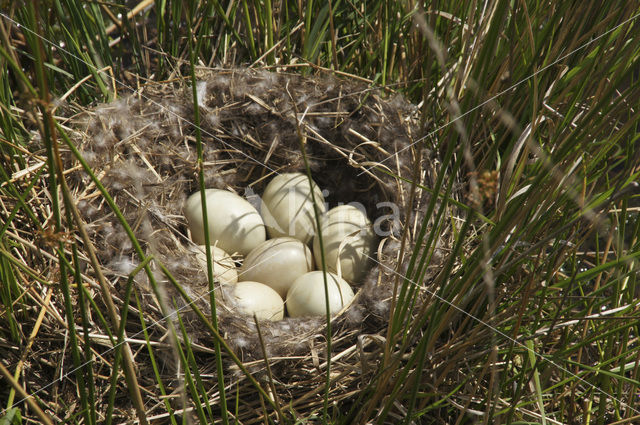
(307, 296)
(277, 263)
(259, 299)
(224, 268)
(347, 239)
(234, 224)
(287, 206)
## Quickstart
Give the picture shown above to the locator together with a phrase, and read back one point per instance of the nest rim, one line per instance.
(352, 321)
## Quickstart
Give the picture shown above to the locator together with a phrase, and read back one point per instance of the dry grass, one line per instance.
(142, 148)
(516, 298)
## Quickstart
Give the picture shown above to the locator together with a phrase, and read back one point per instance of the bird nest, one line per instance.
(254, 125)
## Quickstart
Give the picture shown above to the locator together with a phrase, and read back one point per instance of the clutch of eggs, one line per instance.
(282, 267)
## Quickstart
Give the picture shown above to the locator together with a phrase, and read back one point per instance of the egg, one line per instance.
(350, 225)
(257, 298)
(234, 224)
(224, 268)
(277, 263)
(287, 206)
(306, 297)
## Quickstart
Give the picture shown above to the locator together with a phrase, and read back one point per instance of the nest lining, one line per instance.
(143, 149)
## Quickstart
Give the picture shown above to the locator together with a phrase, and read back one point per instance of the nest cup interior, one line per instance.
(143, 148)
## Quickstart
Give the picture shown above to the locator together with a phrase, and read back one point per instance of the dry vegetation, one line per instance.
(506, 133)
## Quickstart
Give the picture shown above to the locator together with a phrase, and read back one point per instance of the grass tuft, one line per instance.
(529, 112)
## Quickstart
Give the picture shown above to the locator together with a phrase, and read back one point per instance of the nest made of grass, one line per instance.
(360, 147)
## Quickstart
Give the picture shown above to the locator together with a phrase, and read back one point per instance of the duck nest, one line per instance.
(361, 147)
